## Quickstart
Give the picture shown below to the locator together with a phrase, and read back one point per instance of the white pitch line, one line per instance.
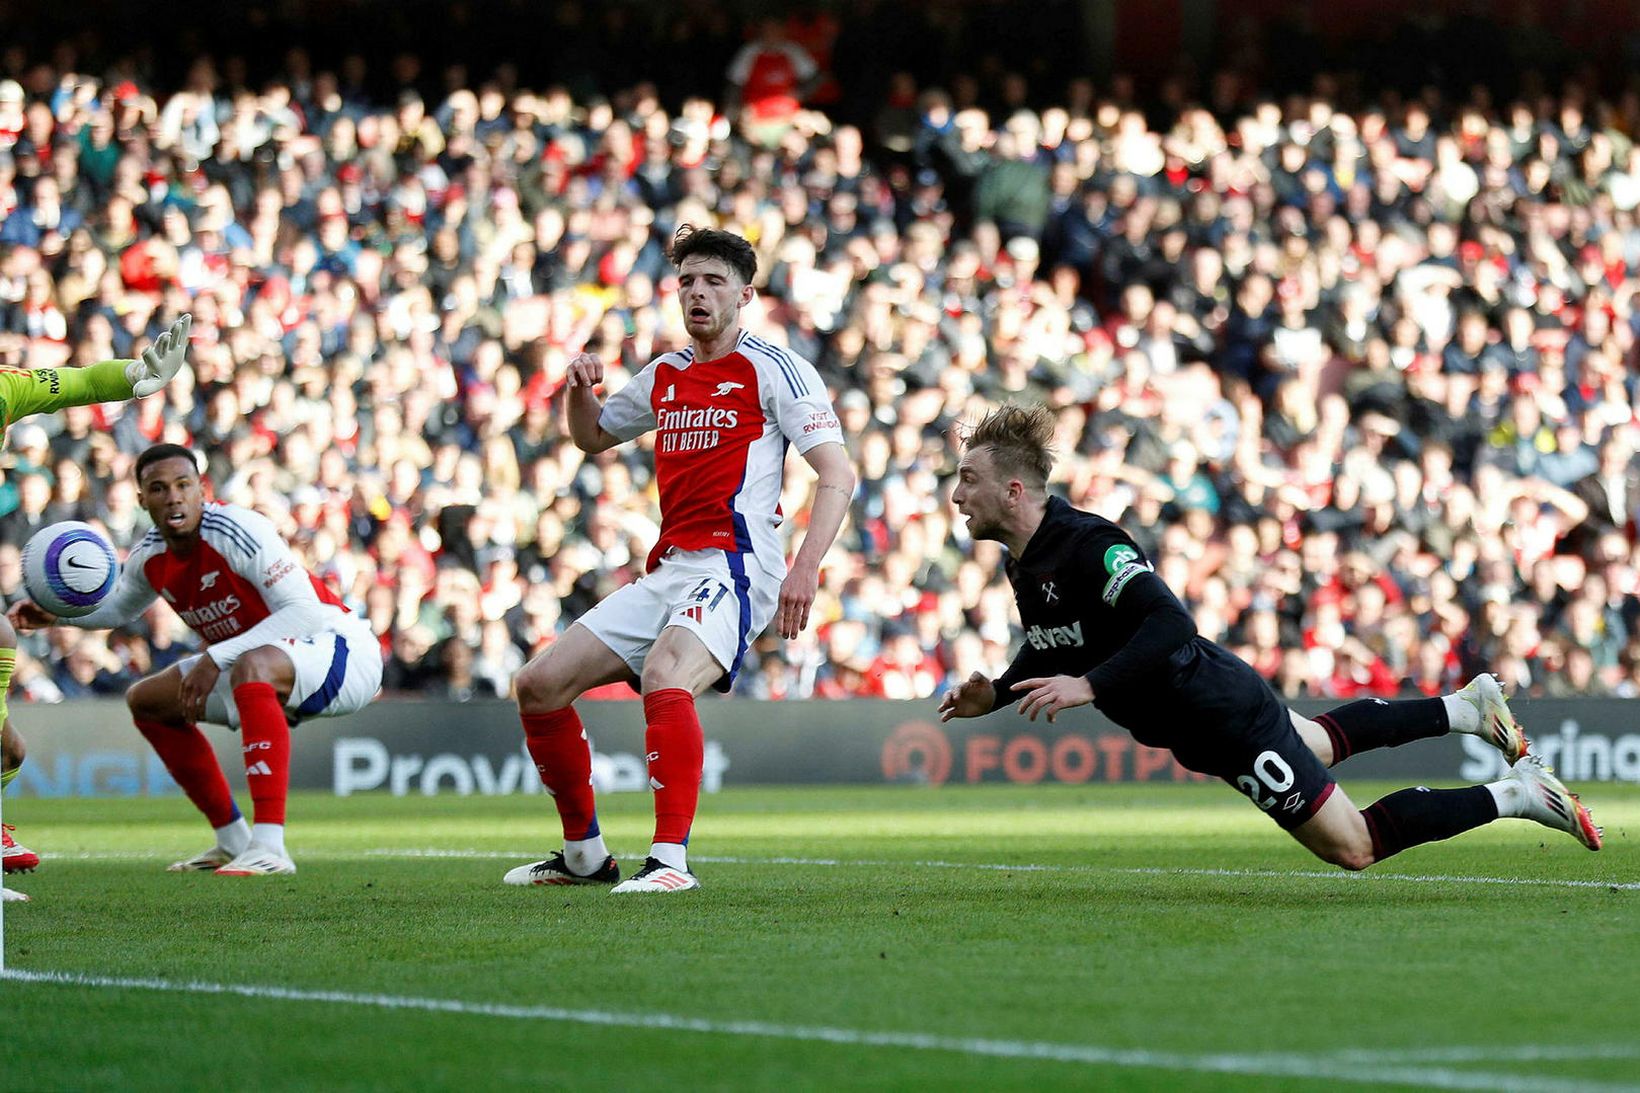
(1302, 1066)
(1499, 1053)
(1030, 867)
(994, 867)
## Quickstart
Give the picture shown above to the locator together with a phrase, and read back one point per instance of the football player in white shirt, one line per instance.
(724, 411)
(280, 646)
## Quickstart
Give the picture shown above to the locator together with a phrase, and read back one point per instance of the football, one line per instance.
(68, 568)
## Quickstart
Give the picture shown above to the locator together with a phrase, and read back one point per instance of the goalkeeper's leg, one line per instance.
(16, 858)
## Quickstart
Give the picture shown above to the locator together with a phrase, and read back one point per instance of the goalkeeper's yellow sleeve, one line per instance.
(8, 665)
(25, 391)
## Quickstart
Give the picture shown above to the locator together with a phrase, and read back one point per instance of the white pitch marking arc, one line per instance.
(1353, 1066)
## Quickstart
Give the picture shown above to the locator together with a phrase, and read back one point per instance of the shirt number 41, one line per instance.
(707, 594)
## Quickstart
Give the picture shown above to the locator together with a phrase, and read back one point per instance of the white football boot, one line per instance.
(555, 870)
(1498, 725)
(207, 861)
(657, 876)
(1547, 800)
(258, 861)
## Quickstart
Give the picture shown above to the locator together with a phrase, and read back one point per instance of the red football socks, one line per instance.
(266, 739)
(188, 756)
(558, 743)
(676, 749)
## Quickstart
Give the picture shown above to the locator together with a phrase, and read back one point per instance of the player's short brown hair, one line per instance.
(693, 242)
(1019, 439)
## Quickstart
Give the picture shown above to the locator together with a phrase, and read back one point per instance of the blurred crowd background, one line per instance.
(1346, 340)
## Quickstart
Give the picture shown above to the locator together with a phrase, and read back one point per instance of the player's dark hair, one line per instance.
(1019, 439)
(693, 242)
(159, 453)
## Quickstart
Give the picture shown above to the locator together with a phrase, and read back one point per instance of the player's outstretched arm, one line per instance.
(582, 405)
(42, 390)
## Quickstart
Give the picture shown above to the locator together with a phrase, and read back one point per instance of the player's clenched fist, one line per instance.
(585, 370)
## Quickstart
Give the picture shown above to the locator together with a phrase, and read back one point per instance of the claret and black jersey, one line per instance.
(1091, 604)
(1086, 593)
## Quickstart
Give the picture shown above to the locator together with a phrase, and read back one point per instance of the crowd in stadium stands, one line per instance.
(1362, 383)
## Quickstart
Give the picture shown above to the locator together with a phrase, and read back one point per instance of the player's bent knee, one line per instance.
(261, 665)
(154, 699)
(1337, 834)
(539, 688)
(660, 675)
(136, 698)
(1351, 850)
(1351, 858)
(8, 635)
(1315, 738)
(679, 660)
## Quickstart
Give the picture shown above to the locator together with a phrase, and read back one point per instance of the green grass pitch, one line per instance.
(990, 937)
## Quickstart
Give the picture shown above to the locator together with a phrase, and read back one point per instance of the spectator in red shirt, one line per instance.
(768, 80)
(1358, 672)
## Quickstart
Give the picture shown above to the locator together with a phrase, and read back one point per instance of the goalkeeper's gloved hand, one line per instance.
(161, 361)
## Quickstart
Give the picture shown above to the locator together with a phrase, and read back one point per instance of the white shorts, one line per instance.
(337, 672)
(725, 599)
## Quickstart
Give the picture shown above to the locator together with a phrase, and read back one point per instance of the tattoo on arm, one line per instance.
(835, 489)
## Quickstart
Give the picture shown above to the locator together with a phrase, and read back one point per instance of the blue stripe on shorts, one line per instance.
(328, 690)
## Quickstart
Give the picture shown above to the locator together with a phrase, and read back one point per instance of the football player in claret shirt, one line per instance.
(723, 411)
(279, 646)
(1102, 627)
(25, 391)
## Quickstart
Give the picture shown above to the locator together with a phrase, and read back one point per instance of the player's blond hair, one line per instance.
(1020, 440)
